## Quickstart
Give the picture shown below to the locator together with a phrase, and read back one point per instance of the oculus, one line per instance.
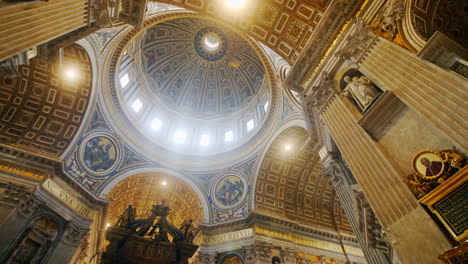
(211, 43)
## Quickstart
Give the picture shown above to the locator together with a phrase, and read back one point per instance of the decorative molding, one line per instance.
(358, 41)
(262, 220)
(390, 16)
(443, 51)
(73, 234)
(335, 17)
(53, 167)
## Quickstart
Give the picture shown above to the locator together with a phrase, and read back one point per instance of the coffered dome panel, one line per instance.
(200, 68)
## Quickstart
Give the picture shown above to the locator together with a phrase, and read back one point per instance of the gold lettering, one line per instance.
(76, 205)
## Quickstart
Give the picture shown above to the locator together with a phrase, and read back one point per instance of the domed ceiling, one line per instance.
(193, 87)
(200, 68)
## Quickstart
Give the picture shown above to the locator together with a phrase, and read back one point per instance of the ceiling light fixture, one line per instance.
(287, 147)
(164, 183)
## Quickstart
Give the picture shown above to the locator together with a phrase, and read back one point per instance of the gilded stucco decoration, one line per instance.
(143, 190)
(290, 184)
(42, 111)
(100, 155)
(285, 26)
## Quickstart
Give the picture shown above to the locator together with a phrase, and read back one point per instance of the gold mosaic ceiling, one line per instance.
(143, 190)
(290, 184)
(200, 68)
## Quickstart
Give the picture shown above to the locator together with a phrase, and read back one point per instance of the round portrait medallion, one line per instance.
(229, 191)
(99, 154)
(428, 164)
(231, 259)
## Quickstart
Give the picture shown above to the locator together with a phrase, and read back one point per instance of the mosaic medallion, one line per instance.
(229, 191)
(99, 154)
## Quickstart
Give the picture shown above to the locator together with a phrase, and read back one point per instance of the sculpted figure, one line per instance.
(390, 16)
(103, 12)
(362, 90)
(188, 230)
(127, 217)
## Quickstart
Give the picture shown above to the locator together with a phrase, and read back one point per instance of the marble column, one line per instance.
(335, 171)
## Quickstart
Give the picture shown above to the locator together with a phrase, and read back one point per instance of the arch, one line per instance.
(45, 108)
(293, 123)
(36, 238)
(198, 189)
(410, 35)
(423, 18)
(290, 184)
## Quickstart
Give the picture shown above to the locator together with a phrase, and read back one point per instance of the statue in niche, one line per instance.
(361, 90)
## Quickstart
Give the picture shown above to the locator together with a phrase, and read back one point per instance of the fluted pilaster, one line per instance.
(335, 171)
(436, 94)
(417, 238)
(28, 24)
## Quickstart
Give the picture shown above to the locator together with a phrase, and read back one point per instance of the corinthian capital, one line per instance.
(334, 170)
(358, 40)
